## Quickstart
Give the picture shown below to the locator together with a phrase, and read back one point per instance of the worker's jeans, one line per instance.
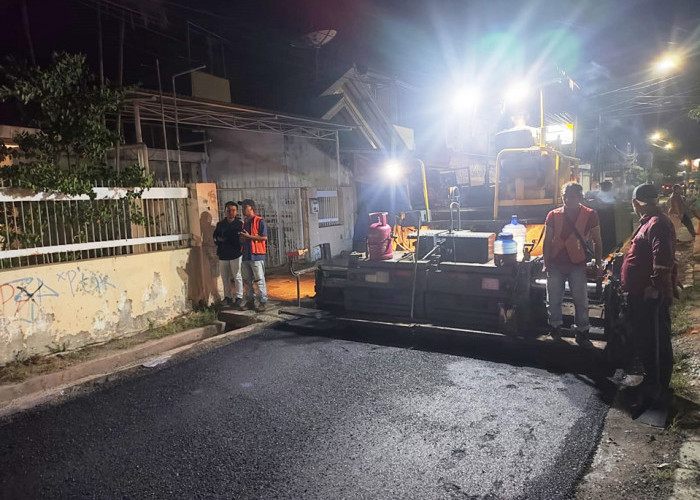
(230, 271)
(254, 272)
(556, 281)
(645, 320)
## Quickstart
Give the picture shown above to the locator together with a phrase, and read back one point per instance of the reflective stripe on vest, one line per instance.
(572, 244)
(257, 247)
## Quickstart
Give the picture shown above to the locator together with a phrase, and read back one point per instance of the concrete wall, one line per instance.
(254, 159)
(240, 159)
(79, 303)
(339, 237)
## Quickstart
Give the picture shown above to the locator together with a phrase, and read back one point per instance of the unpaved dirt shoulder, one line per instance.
(633, 461)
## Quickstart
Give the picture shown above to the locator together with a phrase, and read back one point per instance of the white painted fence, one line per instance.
(43, 228)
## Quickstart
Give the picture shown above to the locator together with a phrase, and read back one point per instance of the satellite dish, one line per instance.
(314, 40)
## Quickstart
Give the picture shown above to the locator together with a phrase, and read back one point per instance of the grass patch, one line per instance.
(680, 380)
(680, 311)
(187, 322)
(28, 366)
(21, 369)
(665, 474)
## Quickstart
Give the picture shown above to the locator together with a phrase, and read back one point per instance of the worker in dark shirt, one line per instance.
(228, 249)
(648, 277)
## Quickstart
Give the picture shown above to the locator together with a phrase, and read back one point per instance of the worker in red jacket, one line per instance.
(648, 277)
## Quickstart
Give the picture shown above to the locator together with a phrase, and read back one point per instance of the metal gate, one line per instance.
(282, 210)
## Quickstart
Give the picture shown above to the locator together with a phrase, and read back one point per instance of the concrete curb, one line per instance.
(44, 388)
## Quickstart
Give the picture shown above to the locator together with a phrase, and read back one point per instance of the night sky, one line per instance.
(432, 45)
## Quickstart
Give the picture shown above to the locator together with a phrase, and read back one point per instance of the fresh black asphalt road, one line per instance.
(283, 415)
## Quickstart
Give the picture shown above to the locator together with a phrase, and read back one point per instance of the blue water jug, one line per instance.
(519, 233)
(505, 250)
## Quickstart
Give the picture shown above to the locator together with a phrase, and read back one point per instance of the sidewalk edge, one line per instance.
(42, 388)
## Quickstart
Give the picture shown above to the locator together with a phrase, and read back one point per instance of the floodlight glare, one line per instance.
(655, 136)
(393, 171)
(465, 98)
(669, 145)
(517, 92)
(667, 63)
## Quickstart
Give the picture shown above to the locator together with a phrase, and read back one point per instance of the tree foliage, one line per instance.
(68, 107)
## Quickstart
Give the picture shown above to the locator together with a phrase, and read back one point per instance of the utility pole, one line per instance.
(27, 31)
(599, 167)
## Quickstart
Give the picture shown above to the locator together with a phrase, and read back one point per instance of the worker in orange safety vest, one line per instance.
(566, 251)
(254, 240)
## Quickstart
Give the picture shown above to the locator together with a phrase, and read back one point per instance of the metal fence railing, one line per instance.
(47, 228)
(282, 210)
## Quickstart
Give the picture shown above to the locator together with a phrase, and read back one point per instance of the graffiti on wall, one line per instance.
(85, 281)
(23, 298)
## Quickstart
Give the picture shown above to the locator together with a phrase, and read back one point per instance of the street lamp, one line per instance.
(517, 92)
(465, 99)
(686, 174)
(520, 90)
(393, 171)
(667, 63)
(657, 140)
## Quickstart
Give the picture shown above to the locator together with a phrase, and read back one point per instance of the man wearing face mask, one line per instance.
(648, 277)
(567, 233)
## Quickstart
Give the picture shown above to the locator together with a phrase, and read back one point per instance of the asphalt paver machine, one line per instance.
(443, 275)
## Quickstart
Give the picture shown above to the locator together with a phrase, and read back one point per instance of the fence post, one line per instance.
(203, 265)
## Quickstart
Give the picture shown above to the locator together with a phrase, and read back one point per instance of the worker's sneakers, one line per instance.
(261, 307)
(633, 374)
(555, 333)
(238, 304)
(632, 379)
(583, 340)
(250, 305)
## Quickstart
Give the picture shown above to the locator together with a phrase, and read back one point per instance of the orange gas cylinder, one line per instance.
(379, 237)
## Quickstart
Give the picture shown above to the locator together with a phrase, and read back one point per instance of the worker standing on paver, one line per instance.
(254, 239)
(648, 277)
(567, 232)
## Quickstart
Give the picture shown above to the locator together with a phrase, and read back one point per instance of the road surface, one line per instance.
(282, 415)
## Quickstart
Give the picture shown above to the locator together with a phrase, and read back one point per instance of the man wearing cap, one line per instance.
(648, 279)
(567, 232)
(254, 239)
(228, 249)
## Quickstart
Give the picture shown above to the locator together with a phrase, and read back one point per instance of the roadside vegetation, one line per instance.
(25, 366)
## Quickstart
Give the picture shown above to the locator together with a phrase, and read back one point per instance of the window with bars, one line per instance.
(329, 209)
